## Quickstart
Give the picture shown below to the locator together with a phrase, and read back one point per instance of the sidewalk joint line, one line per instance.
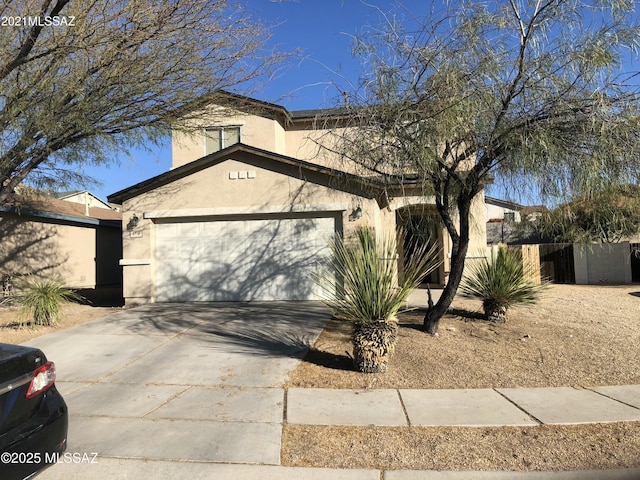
(285, 403)
(404, 408)
(610, 398)
(536, 419)
(168, 400)
(160, 345)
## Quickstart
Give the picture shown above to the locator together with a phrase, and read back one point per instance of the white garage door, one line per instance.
(240, 259)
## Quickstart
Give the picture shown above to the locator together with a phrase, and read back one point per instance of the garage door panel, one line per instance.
(241, 260)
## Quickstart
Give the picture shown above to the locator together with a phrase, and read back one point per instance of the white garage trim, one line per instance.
(215, 212)
(124, 262)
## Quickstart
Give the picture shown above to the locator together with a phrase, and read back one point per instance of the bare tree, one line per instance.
(531, 91)
(81, 78)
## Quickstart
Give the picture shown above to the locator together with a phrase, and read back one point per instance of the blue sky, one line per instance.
(321, 29)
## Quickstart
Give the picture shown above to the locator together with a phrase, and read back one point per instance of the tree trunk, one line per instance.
(460, 245)
(433, 315)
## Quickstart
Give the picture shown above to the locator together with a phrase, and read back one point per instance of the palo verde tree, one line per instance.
(82, 78)
(609, 216)
(534, 91)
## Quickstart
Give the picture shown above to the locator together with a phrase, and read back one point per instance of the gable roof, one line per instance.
(49, 207)
(73, 197)
(503, 203)
(533, 209)
(363, 186)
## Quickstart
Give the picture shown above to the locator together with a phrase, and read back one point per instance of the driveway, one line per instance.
(179, 383)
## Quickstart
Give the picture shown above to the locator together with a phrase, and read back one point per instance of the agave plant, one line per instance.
(42, 301)
(360, 285)
(502, 281)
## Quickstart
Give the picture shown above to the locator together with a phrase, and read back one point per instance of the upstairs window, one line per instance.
(215, 139)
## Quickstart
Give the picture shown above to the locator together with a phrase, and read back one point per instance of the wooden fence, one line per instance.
(592, 264)
(531, 257)
(551, 261)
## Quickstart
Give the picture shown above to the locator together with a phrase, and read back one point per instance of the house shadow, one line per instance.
(268, 329)
(334, 361)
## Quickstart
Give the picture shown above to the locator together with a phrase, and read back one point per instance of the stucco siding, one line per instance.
(256, 131)
(80, 256)
(242, 187)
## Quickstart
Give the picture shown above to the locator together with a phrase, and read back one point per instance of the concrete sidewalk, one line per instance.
(162, 431)
(464, 408)
(120, 468)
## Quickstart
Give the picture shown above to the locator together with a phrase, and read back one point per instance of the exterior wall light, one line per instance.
(356, 214)
(133, 222)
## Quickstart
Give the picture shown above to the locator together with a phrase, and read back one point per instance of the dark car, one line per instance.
(33, 414)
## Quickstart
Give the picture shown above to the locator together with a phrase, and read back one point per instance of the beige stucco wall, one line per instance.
(477, 226)
(299, 141)
(212, 188)
(211, 193)
(255, 130)
(318, 146)
(49, 249)
(268, 187)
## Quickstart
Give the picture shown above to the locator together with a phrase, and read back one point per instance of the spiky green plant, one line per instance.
(41, 303)
(502, 281)
(360, 284)
(368, 288)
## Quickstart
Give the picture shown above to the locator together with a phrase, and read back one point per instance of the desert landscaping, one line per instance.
(575, 336)
(578, 336)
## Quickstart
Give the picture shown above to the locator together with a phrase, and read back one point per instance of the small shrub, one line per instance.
(360, 285)
(41, 302)
(502, 281)
(365, 268)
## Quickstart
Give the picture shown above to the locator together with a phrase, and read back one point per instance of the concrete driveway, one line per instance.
(178, 383)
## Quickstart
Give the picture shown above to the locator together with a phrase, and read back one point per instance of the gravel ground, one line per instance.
(543, 448)
(575, 336)
(72, 314)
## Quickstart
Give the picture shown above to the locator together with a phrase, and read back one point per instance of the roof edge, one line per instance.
(204, 162)
(59, 216)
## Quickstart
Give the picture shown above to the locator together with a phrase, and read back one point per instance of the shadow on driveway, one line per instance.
(265, 328)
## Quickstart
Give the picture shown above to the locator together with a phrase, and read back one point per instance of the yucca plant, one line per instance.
(502, 281)
(42, 299)
(360, 285)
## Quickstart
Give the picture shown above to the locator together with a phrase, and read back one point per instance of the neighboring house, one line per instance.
(502, 210)
(507, 222)
(54, 238)
(248, 208)
(83, 197)
(533, 212)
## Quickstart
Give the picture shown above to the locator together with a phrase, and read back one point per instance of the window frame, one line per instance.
(221, 139)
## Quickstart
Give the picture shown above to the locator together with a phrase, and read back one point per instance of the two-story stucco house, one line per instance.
(248, 208)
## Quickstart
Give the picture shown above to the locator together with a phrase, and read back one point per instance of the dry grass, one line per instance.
(576, 336)
(546, 447)
(72, 314)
